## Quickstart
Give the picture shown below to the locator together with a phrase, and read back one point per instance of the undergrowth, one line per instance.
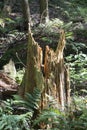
(18, 114)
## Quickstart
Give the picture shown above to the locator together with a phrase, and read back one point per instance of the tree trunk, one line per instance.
(56, 76)
(26, 12)
(44, 13)
(51, 77)
(34, 76)
(54, 79)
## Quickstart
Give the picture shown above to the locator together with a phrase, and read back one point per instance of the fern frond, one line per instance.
(33, 99)
(13, 122)
(47, 117)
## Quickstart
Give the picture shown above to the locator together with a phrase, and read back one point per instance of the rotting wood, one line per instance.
(56, 82)
(34, 76)
(53, 81)
(67, 85)
(7, 85)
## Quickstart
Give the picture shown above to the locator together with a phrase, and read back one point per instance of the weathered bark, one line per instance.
(26, 12)
(67, 85)
(44, 13)
(21, 90)
(34, 76)
(54, 79)
(56, 76)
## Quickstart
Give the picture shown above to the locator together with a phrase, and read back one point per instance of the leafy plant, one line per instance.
(20, 74)
(74, 118)
(48, 117)
(78, 65)
(17, 113)
(51, 27)
(31, 100)
(14, 122)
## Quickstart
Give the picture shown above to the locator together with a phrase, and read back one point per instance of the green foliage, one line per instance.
(79, 2)
(33, 99)
(74, 118)
(82, 11)
(73, 48)
(9, 21)
(14, 122)
(71, 9)
(5, 107)
(81, 33)
(31, 102)
(10, 116)
(49, 117)
(78, 71)
(8, 24)
(20, 74)
(10, 121)
(52, 26)
(48, 40)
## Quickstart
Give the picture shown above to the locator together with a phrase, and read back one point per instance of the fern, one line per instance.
(10, 116)
(9, 121)
(13, 122)
(31, 102)
(57, 120)
(48, 117)
(33, 99)
(5, 107)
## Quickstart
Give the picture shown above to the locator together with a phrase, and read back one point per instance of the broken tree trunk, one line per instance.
(53, 81)
(56, 75)
(34, 76)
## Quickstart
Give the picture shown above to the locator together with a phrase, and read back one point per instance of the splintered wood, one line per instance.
(57, 84)
(48, 73)
(33, 76)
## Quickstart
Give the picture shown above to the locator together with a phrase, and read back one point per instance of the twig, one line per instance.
(20, 60)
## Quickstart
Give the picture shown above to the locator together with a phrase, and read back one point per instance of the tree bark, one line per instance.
(26, 12)
(54, 79)
(55, 73)
(34, 76)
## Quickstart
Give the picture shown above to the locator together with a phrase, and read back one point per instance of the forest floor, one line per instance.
(63, 15)
(60, 17)
(69, 15)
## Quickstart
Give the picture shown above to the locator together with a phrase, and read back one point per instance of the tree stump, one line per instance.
(57, 83)
(47, 73)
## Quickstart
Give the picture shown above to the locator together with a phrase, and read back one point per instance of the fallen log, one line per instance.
(8, 86)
